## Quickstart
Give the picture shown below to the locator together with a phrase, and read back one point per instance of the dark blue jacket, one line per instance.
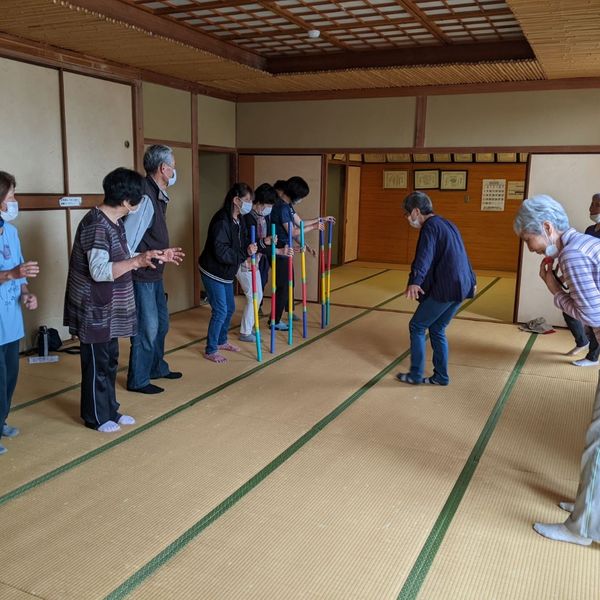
(441, 265)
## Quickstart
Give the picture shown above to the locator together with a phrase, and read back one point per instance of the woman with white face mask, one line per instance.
(585, 340)
(260, 218)
(227, 247)
(543, 225)
(14, 272)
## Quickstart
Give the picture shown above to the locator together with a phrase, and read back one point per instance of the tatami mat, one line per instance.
(36, 380)
(55, 425)
(158, 484)
(360, 500)
(372, 291)
(345, 510)
(348, 274)
(11, 593)
(530, 464)
(497, 304)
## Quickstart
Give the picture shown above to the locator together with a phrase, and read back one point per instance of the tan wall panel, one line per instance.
(214, 185)
(44, 238)
(167, 113)
(352, 214)
(270, 169)
(98, 122)
(216, 122)
(571, 179)
(385, 235)
(363, 123)
(30, 144)
(179, 281)
(75, 217)
(563, 117)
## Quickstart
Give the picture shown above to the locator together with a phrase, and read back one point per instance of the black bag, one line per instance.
(48, 340)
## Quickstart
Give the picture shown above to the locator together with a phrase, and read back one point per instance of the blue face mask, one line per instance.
(551, 249)
(245, 208)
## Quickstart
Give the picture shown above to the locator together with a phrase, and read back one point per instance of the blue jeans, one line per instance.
(435, 316)
(222, 302)
(148, 346)
(9, 371)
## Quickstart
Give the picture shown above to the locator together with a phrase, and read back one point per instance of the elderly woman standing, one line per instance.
(13, 292)
(543, 225)
(99, 301)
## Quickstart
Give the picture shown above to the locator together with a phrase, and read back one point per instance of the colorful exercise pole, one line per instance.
(255, 296)
(273, 286)
(304, 306)
(322, 265)
(290, 286)
(329, 243)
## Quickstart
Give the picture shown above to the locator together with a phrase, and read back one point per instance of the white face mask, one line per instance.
(12, 211)
(414, 222)
(266, 211)
(595, 218)
(551, 249)
(245, 208)
(172, 179)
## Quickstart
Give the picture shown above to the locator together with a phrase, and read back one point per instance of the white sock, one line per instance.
(108, 427)
(126, 420)
(584, 362)
(568, 506)
(560, 533)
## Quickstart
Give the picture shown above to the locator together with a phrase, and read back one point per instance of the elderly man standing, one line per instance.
(440, 278)
(146, 230)
(543, 225)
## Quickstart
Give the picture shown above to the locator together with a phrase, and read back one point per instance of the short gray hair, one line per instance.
(418, 200)
(537, 210)
(155, 156)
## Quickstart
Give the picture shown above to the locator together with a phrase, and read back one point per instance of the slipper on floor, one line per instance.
(432, 381)
(406, 378)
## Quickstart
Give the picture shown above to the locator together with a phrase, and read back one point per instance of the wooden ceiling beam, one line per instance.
(349, 27)
(297, 21)
(193, 6)
(134, 16)
(412, 9)
(403, 57)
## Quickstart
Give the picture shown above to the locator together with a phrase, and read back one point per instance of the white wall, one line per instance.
(363, 123)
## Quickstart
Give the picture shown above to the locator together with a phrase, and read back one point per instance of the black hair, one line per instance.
(7, 181)
(279, 185)
(265, 194)
(418, 200)
(296, 188)
(239, 190)
(123, 184)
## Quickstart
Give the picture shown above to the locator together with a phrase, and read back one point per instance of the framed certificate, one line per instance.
(427, 179)
(395, 180)
(453, 180)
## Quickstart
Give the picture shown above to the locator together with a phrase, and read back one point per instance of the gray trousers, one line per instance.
(585, 519)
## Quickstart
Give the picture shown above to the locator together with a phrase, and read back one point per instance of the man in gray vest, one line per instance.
(146, 229)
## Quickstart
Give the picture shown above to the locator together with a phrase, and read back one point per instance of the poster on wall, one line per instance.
(515, 190)
(493, 193)
(395, 180)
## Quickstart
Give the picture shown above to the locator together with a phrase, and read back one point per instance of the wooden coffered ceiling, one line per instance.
(261, 49)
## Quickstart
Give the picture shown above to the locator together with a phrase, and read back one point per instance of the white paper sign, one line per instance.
(493, 194)
(67, 201)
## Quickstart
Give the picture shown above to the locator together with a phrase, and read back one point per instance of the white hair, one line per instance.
(537, 210)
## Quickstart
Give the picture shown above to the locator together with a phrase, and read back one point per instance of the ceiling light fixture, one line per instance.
(313, 34)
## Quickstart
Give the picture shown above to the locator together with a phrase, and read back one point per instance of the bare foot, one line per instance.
(215, 357)
(230, 347)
